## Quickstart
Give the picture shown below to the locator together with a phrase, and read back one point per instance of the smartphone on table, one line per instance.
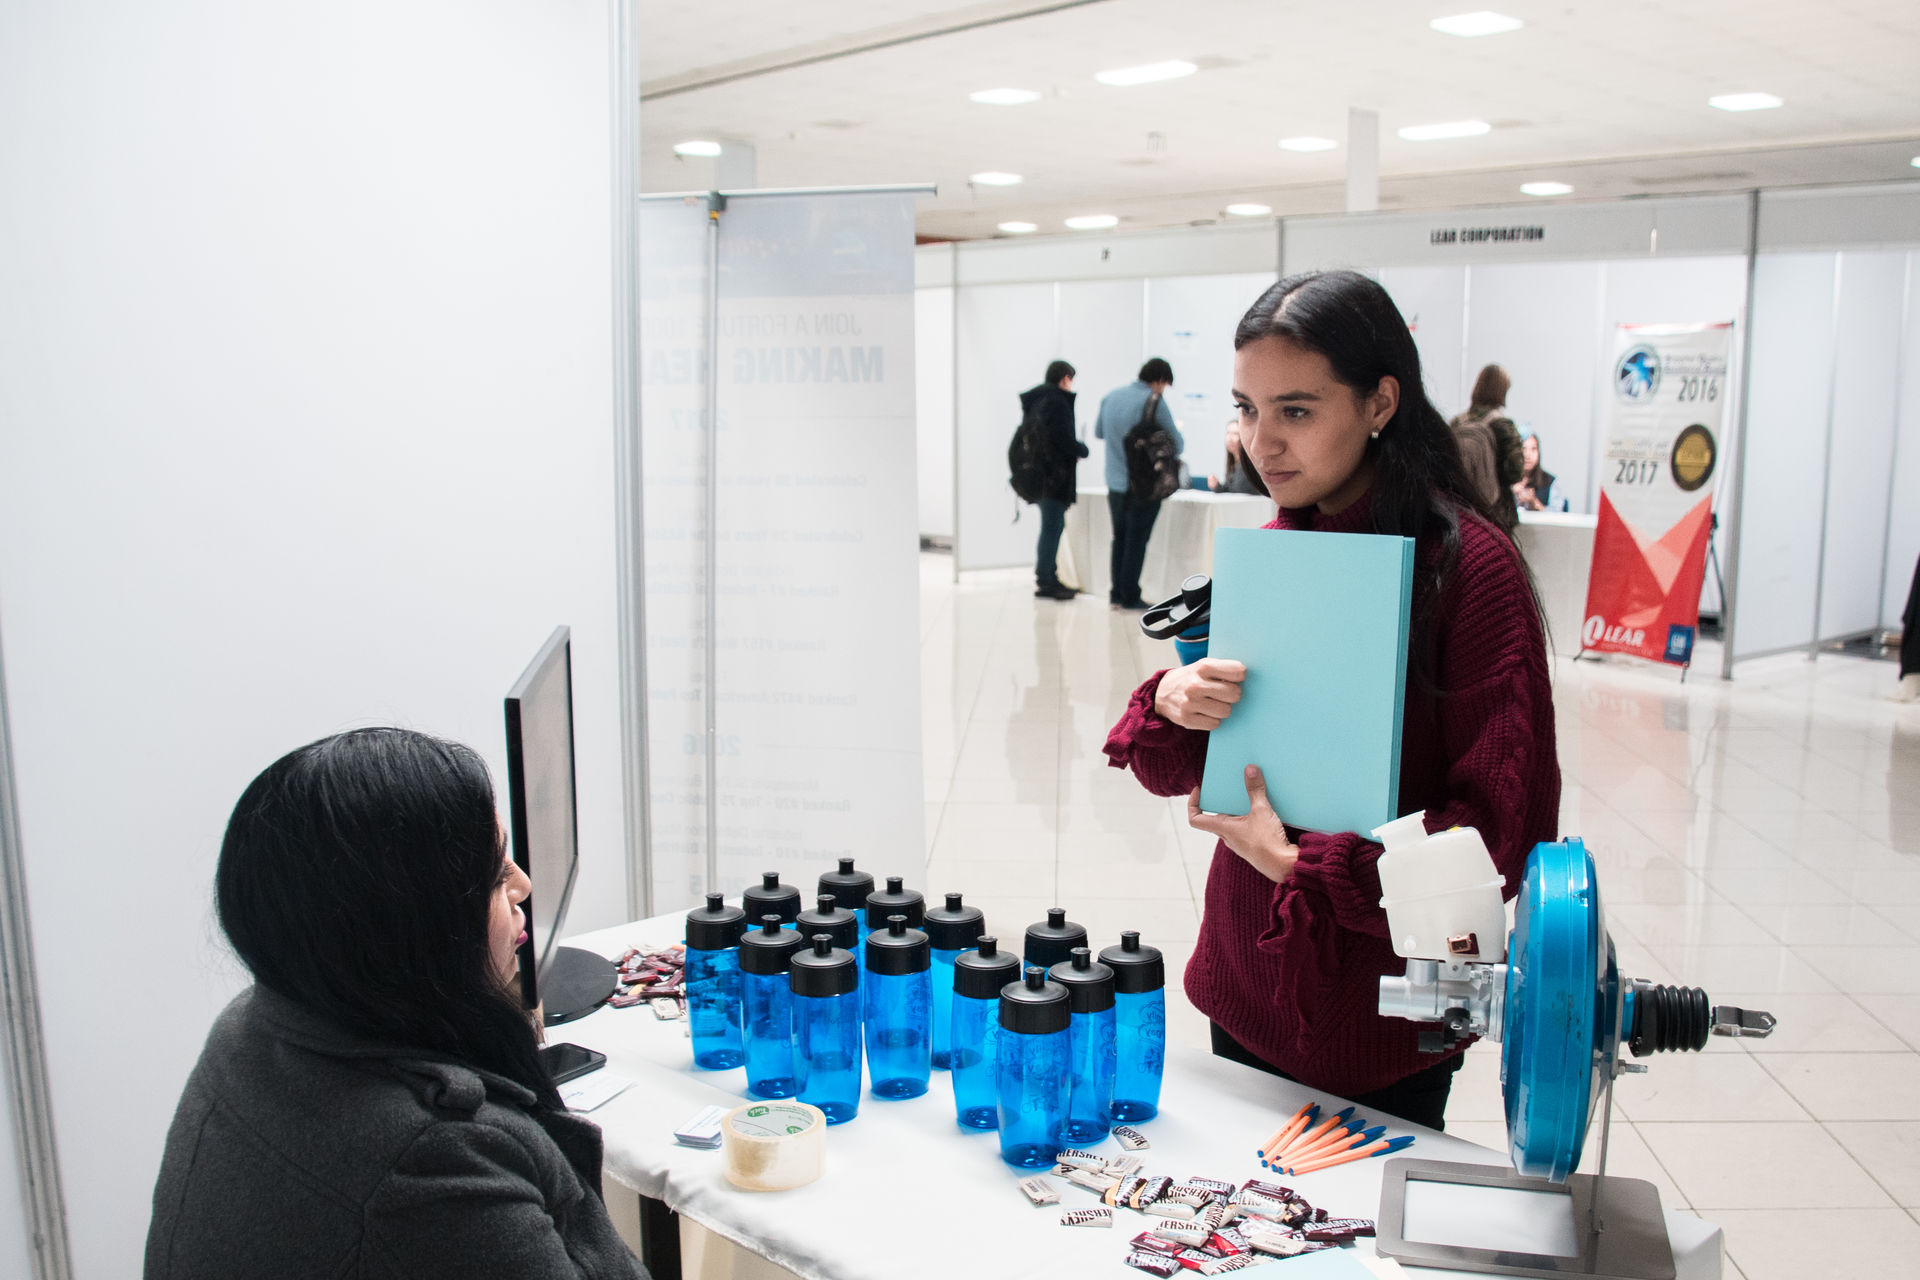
(566, 1062)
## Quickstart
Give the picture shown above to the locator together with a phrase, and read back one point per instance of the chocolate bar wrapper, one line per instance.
(1157, 1244)
(1077, 1159)
(1189, 1234)
(1338, 1230)
(1131, 1139)
(1150, 1192)
(1119, 1193)
(1124, 1166)
(1039, 1191)
(1153, 1264)
(1087, 1218)
(1214, 1185)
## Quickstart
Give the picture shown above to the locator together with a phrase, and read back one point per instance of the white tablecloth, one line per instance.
(906, 1191)
(1181, 544)
(1558, 547)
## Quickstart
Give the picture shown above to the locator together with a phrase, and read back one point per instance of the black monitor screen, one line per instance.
(540, 796)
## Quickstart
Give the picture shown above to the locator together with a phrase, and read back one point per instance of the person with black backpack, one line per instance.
(1042, 459)
(1143, 454)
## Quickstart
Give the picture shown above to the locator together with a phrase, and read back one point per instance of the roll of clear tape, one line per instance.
(772, 1146)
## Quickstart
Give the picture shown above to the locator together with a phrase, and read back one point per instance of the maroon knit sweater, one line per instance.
(1292, 970)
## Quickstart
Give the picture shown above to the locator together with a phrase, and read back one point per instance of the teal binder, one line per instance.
(1321, 620)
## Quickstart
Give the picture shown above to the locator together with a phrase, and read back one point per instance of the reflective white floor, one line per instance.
(1759, 838)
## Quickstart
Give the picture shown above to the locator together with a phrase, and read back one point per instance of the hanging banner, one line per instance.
(1663, 442)
(815, 675)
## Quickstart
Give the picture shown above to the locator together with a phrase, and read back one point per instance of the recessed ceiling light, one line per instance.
(1005, 97)
(1149, 74)
(1307, 144)
(1482, 23)
(1451, 129)
(703, 150)
(1093, 222)
(1018, 228)
(1249, 210)
(994, 179)
(1745, 102)
(1545, 189)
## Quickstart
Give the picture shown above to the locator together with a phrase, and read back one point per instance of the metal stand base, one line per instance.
(1622, 1238)
(575, 984)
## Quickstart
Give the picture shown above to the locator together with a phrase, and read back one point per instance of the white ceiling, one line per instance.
(1609, 97)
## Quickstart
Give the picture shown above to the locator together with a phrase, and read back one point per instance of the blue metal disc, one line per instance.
(1562, 997)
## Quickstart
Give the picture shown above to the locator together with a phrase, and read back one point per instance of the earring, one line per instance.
(1374, 436)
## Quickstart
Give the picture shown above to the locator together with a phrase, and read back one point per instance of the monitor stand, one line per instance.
(575, 984)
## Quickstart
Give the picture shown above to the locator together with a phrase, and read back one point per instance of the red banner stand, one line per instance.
(1644, 599)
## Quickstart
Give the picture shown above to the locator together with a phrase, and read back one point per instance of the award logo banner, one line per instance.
(1656, 510)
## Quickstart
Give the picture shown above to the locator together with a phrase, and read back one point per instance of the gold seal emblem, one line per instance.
(1694, 453)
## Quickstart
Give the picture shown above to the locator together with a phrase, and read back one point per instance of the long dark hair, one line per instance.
(1419, 487)
(355, 880)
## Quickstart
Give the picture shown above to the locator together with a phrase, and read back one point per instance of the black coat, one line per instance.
(300, 1150)
(1064, 449)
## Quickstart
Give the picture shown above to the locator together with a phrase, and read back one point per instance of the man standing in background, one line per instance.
(1121, 411)
(1051, 406)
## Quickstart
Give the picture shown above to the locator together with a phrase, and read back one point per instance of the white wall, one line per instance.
(304, 376)
(1866, 379)
(1782, 454)
(1006, 337)
(1903, 516)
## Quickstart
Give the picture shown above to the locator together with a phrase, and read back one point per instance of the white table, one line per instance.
(906, 1192)
(1181, 543)
(1558, 547)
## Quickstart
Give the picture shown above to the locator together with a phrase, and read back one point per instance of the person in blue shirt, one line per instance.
(1120, 411)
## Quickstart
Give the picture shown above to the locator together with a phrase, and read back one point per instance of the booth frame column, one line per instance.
(29, 1099)
(1730, 580)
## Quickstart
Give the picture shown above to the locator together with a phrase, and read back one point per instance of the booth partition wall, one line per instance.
(783, 708)
(1814, 540)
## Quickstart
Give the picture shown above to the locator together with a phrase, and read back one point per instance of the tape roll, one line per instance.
(771, 1146)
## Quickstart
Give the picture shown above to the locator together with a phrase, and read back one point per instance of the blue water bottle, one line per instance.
(1140, 1027)
(768, 1007)
(1030, 1069)
(849, 889)
(827, 917)
(894, 901)
(898, 990)
(825, 982)
(978, 977)
(782, 900)
(950, 930)
(713, 984)
(1089, 987)
(1053, 941)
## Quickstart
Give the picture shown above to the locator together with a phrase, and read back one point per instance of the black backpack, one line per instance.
(1153, 461)
(1028, 458)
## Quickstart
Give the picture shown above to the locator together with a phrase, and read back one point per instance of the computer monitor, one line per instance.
(562, 981)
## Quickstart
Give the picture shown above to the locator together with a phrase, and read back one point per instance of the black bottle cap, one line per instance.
(1136, 968)
(896, 901)
(897, 949)
(954, 927)
(822, 969)
(848, 887)
(767, 949)
(1088, 982)
(979, 975)
(1035, 1007)
(781, 899)
(843, 926)
(716, 926)
(1053, 942)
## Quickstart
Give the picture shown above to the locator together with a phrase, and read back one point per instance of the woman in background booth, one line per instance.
(1293, 941)
(1239, 475)
(1489, 446)
(1534, 490)
(375, 1105)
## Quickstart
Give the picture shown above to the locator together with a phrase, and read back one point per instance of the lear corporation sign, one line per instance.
(1485, 235)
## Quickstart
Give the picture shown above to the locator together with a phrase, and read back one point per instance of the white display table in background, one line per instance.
(1558, 547)
(1181, 544)
(906, 1191)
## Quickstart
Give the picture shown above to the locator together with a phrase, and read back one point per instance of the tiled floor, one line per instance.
(1759, 838)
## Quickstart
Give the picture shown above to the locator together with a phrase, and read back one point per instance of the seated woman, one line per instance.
(1240, 475)
(374, 1104)
(1534, 490)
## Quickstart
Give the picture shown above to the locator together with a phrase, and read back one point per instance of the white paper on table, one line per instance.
(594, 1089)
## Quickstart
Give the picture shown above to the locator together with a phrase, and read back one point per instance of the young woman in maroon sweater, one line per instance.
(1293, 943)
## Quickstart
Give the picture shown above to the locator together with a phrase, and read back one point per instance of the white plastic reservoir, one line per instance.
(1441, 893)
